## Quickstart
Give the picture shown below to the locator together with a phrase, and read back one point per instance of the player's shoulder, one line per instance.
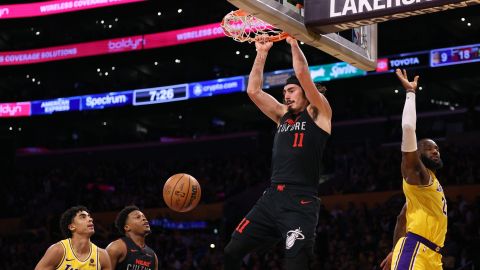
(117, 245)
(102, 251)
(57, 248)
(56, 253)
(149, 249)
(325, 124)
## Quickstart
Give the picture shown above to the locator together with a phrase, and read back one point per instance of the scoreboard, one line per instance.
(455, 55)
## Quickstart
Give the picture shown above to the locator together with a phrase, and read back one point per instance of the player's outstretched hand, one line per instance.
(291, 41)
(262, 44)
(387, 262)
(402, 76)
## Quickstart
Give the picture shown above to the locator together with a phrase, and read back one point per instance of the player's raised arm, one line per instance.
(413, 170)
(265, 102)
(317, 99)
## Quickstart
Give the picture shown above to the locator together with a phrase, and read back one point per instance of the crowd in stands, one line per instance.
(367, 168)
(109, 185)
(355, 238)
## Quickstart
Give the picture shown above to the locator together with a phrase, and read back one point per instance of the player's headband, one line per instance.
(293, 80)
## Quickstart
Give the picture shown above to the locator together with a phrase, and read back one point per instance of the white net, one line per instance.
(244, 27)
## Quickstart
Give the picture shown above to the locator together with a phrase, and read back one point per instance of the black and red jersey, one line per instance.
(137, 258)
(297, 150)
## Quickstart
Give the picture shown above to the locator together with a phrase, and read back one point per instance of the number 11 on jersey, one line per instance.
(298, 140)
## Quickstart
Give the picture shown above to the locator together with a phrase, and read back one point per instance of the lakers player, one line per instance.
(422, 224)
(76, 251)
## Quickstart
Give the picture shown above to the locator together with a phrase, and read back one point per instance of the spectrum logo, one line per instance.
(14, 109)
(124, 44)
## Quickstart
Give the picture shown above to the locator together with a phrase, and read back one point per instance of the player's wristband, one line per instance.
(410, 91)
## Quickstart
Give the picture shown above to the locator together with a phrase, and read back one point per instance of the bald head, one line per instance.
(430, 154)
(426, 142)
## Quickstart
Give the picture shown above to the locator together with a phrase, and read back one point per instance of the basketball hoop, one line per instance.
(242, 27)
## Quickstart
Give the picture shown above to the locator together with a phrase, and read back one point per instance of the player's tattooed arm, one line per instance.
(316, 99)
(264, 101)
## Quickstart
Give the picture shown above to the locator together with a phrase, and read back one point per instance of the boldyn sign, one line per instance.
(328, 16)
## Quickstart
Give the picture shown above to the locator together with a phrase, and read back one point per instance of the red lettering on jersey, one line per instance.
(241, 226)
(142, 262)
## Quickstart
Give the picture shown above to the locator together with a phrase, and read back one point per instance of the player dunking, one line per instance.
(130, 251)
(76, 251)
(288, 210)
(422, 224)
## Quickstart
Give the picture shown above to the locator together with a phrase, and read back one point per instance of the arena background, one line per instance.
(106, 159)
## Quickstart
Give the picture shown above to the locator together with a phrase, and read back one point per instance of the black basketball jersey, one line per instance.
(137, 258)
(297, 150)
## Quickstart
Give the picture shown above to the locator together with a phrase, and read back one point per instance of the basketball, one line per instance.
(181, 192)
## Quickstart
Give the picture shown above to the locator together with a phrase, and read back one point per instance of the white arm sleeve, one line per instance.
(409, 122)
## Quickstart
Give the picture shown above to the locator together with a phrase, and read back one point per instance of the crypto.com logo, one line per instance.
(4, 11)
(124, 44)
(14, 109)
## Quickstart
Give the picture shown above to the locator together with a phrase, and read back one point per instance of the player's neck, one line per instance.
(139, 240)
(299, 111)
(81, 244)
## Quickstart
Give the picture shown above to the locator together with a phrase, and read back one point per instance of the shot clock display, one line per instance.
(455, 55)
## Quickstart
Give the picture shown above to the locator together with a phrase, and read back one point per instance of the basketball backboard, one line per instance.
(283, 15)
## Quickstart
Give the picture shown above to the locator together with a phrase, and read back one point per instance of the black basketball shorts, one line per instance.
(283, 213)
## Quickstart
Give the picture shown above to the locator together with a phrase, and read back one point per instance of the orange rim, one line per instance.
(278, 37)
(240, 13)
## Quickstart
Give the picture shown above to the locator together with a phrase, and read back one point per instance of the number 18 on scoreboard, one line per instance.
(455, 55)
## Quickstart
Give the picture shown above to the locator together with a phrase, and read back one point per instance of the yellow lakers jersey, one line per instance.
(427, 210)
(71, 262)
